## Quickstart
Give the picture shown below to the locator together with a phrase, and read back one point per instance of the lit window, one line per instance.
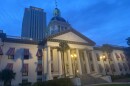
(10, 53)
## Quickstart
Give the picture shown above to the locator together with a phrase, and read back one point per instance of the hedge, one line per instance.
(55, 82)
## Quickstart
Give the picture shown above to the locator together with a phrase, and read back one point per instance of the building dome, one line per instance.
(58, 19)
(57, 15)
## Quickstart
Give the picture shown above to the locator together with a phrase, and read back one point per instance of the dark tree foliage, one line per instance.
(128, 41)
(6, 76)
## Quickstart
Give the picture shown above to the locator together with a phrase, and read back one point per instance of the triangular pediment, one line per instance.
(73, 36)
(70, 36)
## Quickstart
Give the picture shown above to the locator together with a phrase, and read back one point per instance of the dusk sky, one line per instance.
(103, 21)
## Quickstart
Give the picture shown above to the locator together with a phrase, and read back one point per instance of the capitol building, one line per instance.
(39, 60)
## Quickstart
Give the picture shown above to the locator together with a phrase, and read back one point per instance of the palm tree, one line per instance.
(107, 49)
(128, 41)
(63, 47)
(6, 76)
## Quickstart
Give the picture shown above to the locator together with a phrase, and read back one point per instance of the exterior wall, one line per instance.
(52, 61)
(121, 62)
(114, 62)
(18, 61)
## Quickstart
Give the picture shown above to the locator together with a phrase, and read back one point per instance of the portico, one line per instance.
(83, 51)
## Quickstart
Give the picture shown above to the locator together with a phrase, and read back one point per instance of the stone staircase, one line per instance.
(88, 79)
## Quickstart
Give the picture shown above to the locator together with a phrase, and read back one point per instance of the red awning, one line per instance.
(39, 53)
(11, 51)
(122, 56)
(117, 56)
(39, 67)
(25, 68)
(9, 66)
(26, 52)
(1, 52)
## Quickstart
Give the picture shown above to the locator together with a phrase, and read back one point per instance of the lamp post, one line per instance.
(103, 57)
(74, 58)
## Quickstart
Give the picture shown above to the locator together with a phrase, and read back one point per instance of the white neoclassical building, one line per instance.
(34, 61)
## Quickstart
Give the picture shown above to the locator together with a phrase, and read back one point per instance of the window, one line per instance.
(1, 52)
(39, 80)
(120, 67)
(26, 53)
(39, 72)
(39, 69)
(11, 57)
(9, 66)
(107, 68)
(25, 70)
(92, 67)
(65, 28)
(10, 53)
(100, 68)
(52, 68)
(39, 54)
(113, 68)
(25, 81)
(59, 29)
(26, 57)
(125, 66)
(98, 57)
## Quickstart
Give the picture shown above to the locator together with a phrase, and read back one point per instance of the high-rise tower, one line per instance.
(34, 23)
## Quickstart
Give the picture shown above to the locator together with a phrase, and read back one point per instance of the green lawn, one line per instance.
(114, 85)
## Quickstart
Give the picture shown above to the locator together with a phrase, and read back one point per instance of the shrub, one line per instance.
(116, 77)
(25, 84)
(56, 82)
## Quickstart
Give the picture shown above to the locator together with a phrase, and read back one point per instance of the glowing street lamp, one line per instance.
(103, 57)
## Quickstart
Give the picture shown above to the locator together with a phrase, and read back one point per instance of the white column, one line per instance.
(59, 63)
(49, 75)
(44, 61)
(94, 61)
(70, 63)
(78, 60)
(87, 62)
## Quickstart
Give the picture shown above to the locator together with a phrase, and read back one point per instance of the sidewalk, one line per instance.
(109, 83)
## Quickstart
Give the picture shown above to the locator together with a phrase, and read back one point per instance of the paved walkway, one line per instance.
(109, 83)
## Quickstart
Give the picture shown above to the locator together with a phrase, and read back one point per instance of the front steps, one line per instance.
(87, 79)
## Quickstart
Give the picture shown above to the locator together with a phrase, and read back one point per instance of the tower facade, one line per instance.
(34, 23)
(57, 23)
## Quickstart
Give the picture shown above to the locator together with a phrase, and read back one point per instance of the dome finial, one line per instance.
(56, 3)
(56, 10)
